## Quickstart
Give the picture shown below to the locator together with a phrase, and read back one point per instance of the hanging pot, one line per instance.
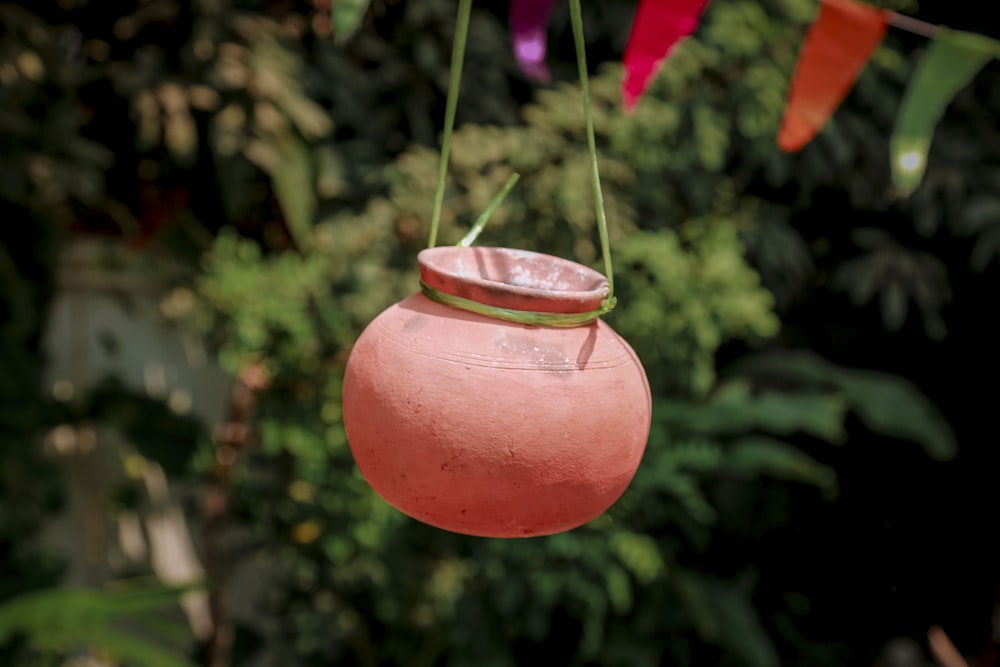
(489, 427)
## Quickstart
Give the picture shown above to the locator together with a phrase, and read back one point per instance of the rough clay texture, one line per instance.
(490, 428)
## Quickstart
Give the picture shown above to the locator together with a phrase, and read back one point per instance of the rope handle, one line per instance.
(528, 317)
(454, 82)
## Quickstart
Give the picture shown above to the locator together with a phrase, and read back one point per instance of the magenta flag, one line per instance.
(528, 20)
(658, 26)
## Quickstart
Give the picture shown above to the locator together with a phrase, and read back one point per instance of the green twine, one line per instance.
(454, 81)
(529, 317)
(595, 176)
(473, 233)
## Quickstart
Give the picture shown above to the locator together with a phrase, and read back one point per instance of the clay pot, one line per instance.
(492, 428)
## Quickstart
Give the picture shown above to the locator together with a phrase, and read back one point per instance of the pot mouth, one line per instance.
(513, 279)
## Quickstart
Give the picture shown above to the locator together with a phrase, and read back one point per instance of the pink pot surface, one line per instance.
(492, 428)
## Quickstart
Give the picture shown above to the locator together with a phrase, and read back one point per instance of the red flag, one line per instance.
(658, 26)
(838, 46)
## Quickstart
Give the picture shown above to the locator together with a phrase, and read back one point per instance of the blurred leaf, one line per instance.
(986, 250)
(133, 650)
(895, 275)
(677, 470)
(890, 405)
(887, 404)
(753, 456)
(893, 303)
(981, 213)
(722, 613)
(640, 555)
(733, 408)
(619, 590)
(740, 624)
(780, 253)
(345, 17)
(156, 432)
(130, 597)
(292, 176)
(981, 219)
(699, 608)
(66, 619)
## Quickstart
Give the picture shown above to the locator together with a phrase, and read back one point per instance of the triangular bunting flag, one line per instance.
(658, 26)
(838, 46)
(528, 20)
(951, 62)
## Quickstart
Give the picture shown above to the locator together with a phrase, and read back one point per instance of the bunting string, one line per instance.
(910, 24)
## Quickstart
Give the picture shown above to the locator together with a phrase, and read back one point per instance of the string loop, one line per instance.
(529, 317)
(454, 82)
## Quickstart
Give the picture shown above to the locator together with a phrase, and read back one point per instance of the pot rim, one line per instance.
(514, 279)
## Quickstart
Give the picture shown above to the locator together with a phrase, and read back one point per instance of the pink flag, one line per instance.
(659, 25)
(528, 20)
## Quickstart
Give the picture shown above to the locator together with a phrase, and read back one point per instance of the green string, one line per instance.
(454, 81)
(473, 233)
(529, 317)
(595, 176)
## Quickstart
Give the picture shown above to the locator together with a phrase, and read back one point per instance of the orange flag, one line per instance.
(838, 46)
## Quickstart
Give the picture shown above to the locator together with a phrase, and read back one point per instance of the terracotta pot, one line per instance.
(493, 428)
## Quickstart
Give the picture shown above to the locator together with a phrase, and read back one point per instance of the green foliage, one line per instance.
(313, 158)
(386, 589)
(733, 408)
(62, 620)
(30, 486)
(690, 287)
(895, 275)
(887, 404)
(280, 326)
(981, 219)
(157, 432)
(754, 456)
(722, 614)
(48, 163)
(346, 16)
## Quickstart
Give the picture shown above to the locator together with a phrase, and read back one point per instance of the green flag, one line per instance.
(950, 63)
(345, 17)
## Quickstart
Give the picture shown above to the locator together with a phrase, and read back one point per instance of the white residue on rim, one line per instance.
(520, 276)
(524, 272)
